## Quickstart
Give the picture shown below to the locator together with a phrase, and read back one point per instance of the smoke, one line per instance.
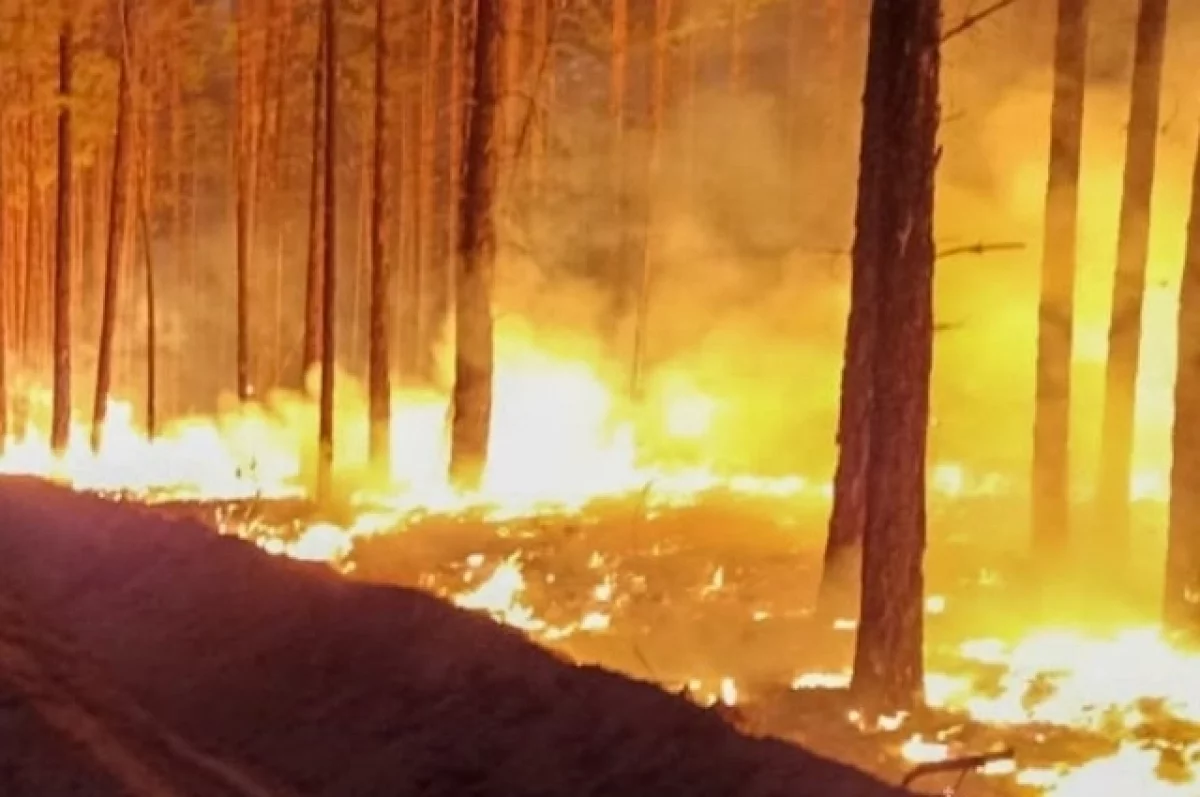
(746, 223)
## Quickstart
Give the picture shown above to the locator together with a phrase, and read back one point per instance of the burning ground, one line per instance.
(712, 595)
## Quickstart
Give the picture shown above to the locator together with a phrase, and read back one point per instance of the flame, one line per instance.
(562, 438)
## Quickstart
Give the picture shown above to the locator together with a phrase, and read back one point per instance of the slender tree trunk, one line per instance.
(658, 100)
(316, 235)
(151, 320)
(329, 262)
(1181, 610)
(114, 254)
(894, 244)
(430, 302)
(5, 242)
(1129, 284)
(618, 83)
(457, 138)
(474, 354)
(1051, 487)
(60, 424)
(245, 167)
(379, 388)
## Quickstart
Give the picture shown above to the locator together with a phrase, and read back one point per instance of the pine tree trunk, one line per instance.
(114, 253)
(474, 354)
(617, 93)
(316, 235)
(60, 424)
(379, 388)
(1181, 607)
(1051, 487)
(246, 167)
(430, 303)
(894, 244)
(642, 285)
(329, 262)
(458, 136)
(5, 316)
(1129, 284)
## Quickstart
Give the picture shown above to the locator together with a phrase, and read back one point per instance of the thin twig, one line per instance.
(980, 248)
(971, 20)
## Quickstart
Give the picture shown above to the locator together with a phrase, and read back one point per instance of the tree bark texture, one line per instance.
(474, 352)
(894, 243)
(1129, 282)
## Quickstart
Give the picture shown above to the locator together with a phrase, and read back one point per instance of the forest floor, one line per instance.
(262, 661)
(142, 654)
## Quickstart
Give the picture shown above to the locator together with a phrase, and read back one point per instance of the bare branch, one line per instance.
(980, 248)
(971, 20)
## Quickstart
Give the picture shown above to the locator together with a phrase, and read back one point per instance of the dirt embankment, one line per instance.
(327, 687)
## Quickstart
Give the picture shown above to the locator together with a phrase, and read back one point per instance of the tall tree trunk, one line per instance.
(431, 302)
(316, 235)
(246, 167)
(617, 92)
(474, 353)
(60, 423)
(642, 286)
(151, 318)
(1051, 488)
(329, 262)
(379, 388)
(1129, 284)
(114, 253)
(894, 244)
(5, 316)
(458, 136)
(1181, 610)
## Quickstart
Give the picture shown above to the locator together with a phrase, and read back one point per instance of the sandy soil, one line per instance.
(268, 671)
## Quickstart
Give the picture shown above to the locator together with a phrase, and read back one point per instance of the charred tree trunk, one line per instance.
(1181, 610)
(473, 358)
(114, 253)
(893, 250)
(60, 423)
(1051, 487)
(1129, 284)
(329, 262)
(458, 136)
(316, 235)
(379, 387)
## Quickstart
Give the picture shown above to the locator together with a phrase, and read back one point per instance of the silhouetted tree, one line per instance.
(474, 353)
(329, 261)
(115, 244)
(1129, 284)
(378, 362)
(890, 358)
(60, 423)
(1050, 488)
(1181, 609)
